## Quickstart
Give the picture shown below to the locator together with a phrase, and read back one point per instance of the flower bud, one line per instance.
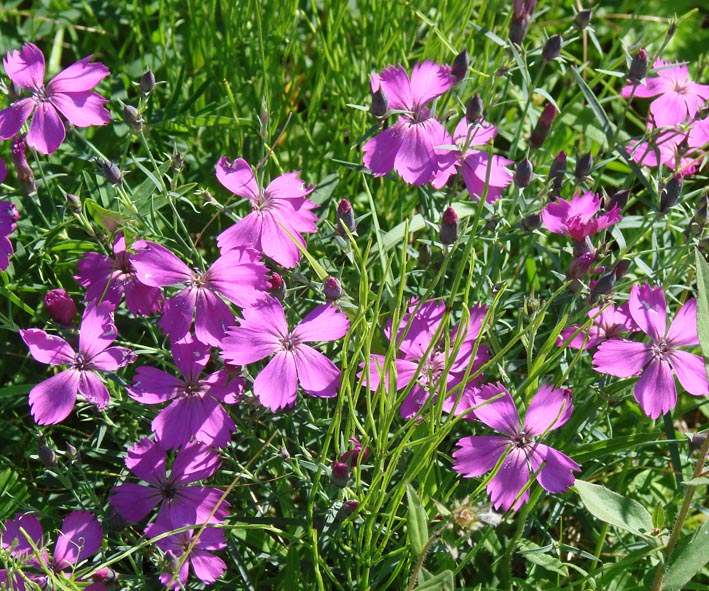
(332, 289)
(340, 474)
(543, 126)
(73, 454)
(147, 82)
(700, 214)
(584, 165)
(177, 162)
(132, 117)
(671, 192)
(73, 202)
(531, 305)
(580, 265)
(474, 109)
(583, 19)
(638, 67)
(60, 306)
(552, 48)
(46, 454)
(104, 575)
(619, 199)
(448, 231)
(557, 170)
(24, 173)
(531, 222)
(518, 29)
(380, 104)
(523, 174)
(277, 287)
(603, 286)
(621, 268)
(112, 173)
(345, 217)
(349, 507)
(460, 66)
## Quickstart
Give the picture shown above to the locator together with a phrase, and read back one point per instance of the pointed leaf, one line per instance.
(703, 306)
(615, 509)
(688, 560)
(416, 521)
(441, 582)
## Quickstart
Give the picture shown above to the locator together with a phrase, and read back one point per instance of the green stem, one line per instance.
(506, 574)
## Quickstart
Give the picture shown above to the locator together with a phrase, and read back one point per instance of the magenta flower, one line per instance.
(680, 97)
(576, 218)
(523, 455)
(412, 146)
(180, 504)
(415, 338)
(8, 217)
(264, 331)
(657, 360)
(79, 538)
(238, 275)
(206, 566)
(609, 323)
(474, 164)
(280, 214)
(69, 95)
(106, 279)
(681, 151)
(52, 400)
(196, 407)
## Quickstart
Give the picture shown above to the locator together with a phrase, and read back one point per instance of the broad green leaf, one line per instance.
(539, 556)
(688, 560)
(109, 220)
(615, 509)
(698, 481)
(703, 306)
(416, 521)
(443, 581)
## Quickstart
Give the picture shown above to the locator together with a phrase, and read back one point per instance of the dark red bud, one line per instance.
(523, 174)
(638, 67)
(345, 217)
(380, 104)
(671, 192)
(449, 226)
(584, 165)
(583, 19)
(543, 126)
(277, 287)
(332, 289)
(552, 48)
(474, 109)
(460, 66)
(340, 474)
(61, 307)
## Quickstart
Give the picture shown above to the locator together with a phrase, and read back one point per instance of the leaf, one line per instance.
(613, 508)
(595, 105)
(109, 220)
(703, 306)
(688, 560)
(416, 521)
(539, 556)
(698, 481)
(13, 493)
(443, 581)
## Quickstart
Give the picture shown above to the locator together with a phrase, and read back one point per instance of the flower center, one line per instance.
(263, 202)
(40, 94)
(199, 280)
(80, 363)
(168, 491)
(192, 389)
(289, 342)
(660, 350)
(679, 87)
(521, 440)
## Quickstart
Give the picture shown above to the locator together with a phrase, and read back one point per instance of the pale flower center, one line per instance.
(660, 350)
(290, 342)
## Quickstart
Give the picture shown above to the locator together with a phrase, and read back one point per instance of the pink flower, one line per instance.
(281, 213)
(106, 279)
(680, 97)
(576, 219)
(180, 504)
(196, 408)
(411, 145)
(523, 454)
(52, 400)
(69, 94)
(238, 275)
(657, 360)
(8, 217)
(355, 456)
(474, 164)
(679, 150)
(609, 323)
(264, 331)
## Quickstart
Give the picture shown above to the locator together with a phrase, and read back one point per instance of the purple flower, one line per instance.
(238, 275)
(412, 145)
(180, 504)
(69, 94)
(8, 217)
(186, 548)
(523, 454)
(61, 307)
(681, 151)
(52, 400)
(196, 408)
(680, 97)
(79, 538)
(264, 331)
(415, 337)
(657, 360)
(280, 214)
(609, 323)
(576, 218)
(106, 279)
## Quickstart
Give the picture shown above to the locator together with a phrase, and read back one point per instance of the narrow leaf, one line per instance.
(416, 521)
(688, 560)
(615, 509)
(703, 306)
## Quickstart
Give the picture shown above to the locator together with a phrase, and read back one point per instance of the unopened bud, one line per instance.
(24, 173)
(132, 117)
(332, 289)
(670, 194)
(531, 222)
(580, 265)
(552, 48)
(380, 104)
(349, 507)
(638, 67)
(584, 165)
(583, 19)
(460, 66)
(621, 268)
(147, 83)
(112, 173)
(619, 199)
(340, 474)
(425, 254)
(518, 29)
(177, 162)
(474, 109)
(73, 454)
(46, 454)
(671, 30)
(697, 441)
(557, 170)
(73, 202)
(345, 217)
(171, 563)
(277, 287)
(700, 214)
(60, 306)
(448, 231)
(104, 575)
(603, 286)
(543, 126)
(532, 305)
(523, 174)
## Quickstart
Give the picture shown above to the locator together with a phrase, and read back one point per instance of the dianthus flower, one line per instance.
(8, 217)
(51, 401)
(680, 97)
(79, 538)
(657, 360)
(196, 407)
(576, 218)
(106, 279)
(477, 168)
(180, 504)
(238, 275)
(415, 338)
(280, 214)
(522, 455)
(69, 95)
(264, 331)
(411, 145)
(609, 323)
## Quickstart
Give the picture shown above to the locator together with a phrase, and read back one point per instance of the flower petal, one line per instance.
(238, 177)
(206, 566)
(323, 323)
(549, 409)
(79, 77)
(194, 462)
(97, 330)
(146, 460)
(655, 390)
(93, 389)
(381, 150)
(317, 375)
(240, 276)
(134, 502)
(212, 318)
(683, 330)
(47, 131)
(79, 538)
(48, 348)
(177, 314)
(153, 386)
(52, 400)
(13, 118)
(82, 109)
(648, 308)
(556, 475)
(510, 479)
(113, 358)
(157, 266)
(26, 67)
(246, 233)
(621, 359)
(500, 414)
(691, 372)
(276, 386)
(11, 538)
(478, 454)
